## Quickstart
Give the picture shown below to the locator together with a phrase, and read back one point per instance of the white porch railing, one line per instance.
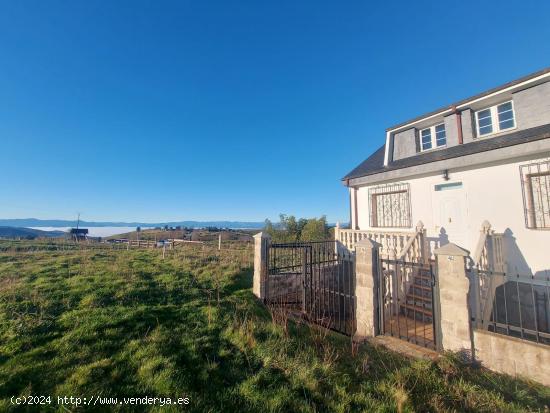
(488, 258)
(488, 255)
(408, 246)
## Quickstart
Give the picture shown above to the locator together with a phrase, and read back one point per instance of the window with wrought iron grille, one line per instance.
(390, 206)
(535, 180)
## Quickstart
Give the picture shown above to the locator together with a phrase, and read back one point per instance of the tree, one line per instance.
(291, 230)
(268, 228)
(290, 225)
(315, 230)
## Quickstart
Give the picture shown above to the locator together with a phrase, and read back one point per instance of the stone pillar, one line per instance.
(367, 265)
(453, 283)
(262, 241)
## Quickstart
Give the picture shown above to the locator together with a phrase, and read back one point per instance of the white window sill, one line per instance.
(499, 133)
(433, 149)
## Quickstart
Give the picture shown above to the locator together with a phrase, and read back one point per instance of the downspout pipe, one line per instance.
(353, 217)
(458, 125)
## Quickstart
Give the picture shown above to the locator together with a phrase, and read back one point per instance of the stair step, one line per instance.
(417, 309)
(420, 305)
(421, 283)
(419, 297)
(422, 287)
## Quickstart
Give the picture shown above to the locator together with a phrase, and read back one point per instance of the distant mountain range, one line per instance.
(11, 232)
(33, 222)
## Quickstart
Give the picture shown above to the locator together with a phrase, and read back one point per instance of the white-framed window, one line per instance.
(433, 137)
(390, 206)
(495, 119)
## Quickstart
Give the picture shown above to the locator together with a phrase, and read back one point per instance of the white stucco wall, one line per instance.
(493, 193)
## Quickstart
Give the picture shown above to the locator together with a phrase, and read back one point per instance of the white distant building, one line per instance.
(485, 159)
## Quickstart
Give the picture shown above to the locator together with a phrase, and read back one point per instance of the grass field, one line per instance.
(116, 323)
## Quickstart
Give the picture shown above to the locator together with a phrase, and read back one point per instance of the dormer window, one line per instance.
(433, 137)
(495, 119)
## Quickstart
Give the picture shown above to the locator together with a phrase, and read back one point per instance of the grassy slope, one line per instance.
(152, 234)
(148, 234)
(127, 323)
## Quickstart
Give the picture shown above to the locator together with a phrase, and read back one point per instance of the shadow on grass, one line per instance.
(154, 330)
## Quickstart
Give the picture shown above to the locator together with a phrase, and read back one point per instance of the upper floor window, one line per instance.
(433, 137)
(495, 119)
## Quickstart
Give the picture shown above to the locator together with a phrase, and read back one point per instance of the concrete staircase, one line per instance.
(418, 300)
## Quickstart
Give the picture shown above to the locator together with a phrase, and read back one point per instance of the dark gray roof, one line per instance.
(372, 164)
(375, 163)
(79, 231)
(480, 95)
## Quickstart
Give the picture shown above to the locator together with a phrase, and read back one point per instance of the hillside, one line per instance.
(33, 222)
(191, 235)
(16, 232)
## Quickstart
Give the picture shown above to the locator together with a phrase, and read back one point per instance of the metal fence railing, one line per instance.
(512, 304)
(316, 278)
(406, 297)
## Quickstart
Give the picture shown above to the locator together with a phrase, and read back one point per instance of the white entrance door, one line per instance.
(450, 212)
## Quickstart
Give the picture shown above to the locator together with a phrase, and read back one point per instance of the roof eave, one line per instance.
(464, 102)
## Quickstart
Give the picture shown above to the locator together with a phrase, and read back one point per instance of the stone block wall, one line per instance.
(513, 356)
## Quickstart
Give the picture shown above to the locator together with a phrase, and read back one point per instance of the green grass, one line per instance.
(129, 323)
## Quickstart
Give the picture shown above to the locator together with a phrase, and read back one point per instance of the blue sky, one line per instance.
(155, 111)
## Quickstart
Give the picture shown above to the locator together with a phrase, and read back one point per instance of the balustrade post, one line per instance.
(487, 230)
(423, 247)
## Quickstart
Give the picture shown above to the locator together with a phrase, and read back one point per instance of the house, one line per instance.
(78, 234)
(478, 167)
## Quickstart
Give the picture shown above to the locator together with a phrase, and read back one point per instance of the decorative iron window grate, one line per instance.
(390, 206)
(535, 181)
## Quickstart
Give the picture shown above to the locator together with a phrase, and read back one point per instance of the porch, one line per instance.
(366, 284)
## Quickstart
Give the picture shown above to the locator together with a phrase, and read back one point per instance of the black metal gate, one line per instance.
(406, 302)
(315, 278)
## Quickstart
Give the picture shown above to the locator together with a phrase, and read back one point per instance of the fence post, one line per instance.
(453, 332)
(367, 265)
(304, 279)
(262, 241)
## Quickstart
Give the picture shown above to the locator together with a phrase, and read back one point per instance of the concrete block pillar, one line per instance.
(367, 265)
(453, 282)
(262, 241)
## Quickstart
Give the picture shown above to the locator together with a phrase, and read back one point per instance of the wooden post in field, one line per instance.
(262, 242)
(219, 242)
(163, 249)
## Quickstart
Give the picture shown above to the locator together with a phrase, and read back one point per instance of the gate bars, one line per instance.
(512, 304)
(315, 278)
(406, 302)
